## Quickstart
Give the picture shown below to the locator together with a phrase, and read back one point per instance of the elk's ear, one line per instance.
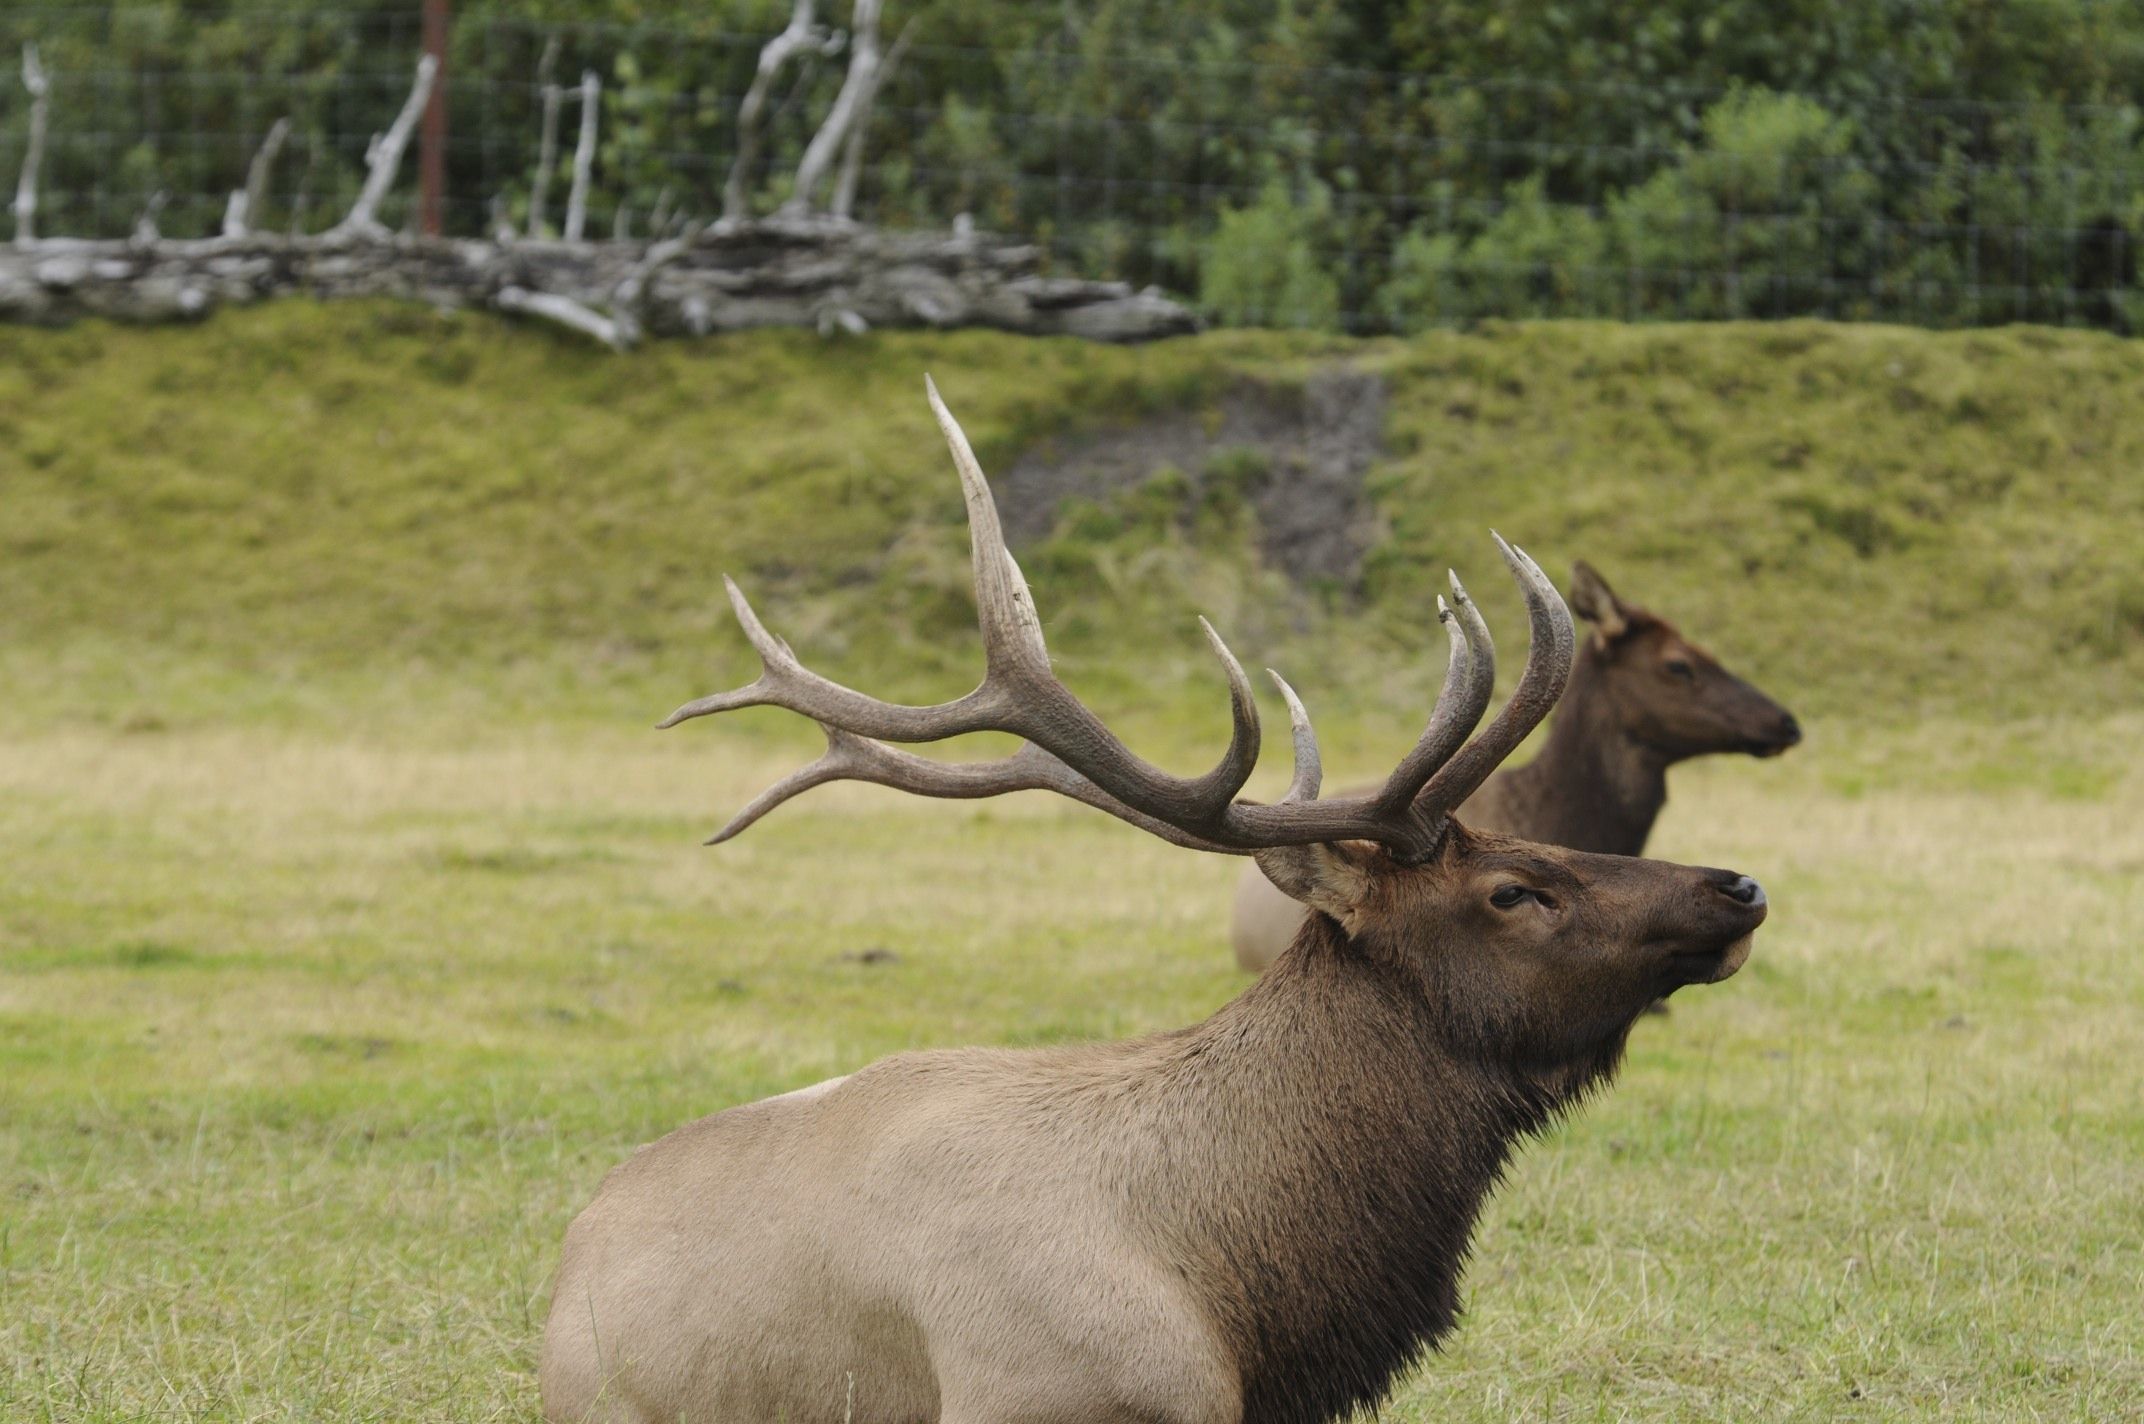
(1594, 601)
(1334, 878)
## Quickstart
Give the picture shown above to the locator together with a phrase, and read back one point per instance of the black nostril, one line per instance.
(1790, 731)
(1743, 891)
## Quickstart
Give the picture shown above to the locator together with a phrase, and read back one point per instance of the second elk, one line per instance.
(1258, 1218)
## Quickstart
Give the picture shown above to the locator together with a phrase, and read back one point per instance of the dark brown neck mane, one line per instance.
(1593, 787)
(1358, 1145)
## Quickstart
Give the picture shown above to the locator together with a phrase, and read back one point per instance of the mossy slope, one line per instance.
(304, 510)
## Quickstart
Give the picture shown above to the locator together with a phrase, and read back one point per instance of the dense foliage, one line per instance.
(1372, 163)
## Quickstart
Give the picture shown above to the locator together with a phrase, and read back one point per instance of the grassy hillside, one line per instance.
(311, 513)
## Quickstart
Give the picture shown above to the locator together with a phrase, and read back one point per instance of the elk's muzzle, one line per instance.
(1732, 905)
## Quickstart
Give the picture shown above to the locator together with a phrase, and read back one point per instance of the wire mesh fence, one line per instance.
(1271, 193)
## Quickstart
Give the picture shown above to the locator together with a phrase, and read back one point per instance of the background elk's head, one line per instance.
(1666, 692)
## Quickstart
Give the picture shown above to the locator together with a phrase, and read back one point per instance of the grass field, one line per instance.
(346, 939)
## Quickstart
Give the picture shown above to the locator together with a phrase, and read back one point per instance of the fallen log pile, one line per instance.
(801, 266)
(813, 272)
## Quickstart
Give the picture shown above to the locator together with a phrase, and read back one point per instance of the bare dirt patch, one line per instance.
(1312, 445)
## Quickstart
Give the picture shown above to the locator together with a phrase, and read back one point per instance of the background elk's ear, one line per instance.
(1332, 878)
(1594, 601)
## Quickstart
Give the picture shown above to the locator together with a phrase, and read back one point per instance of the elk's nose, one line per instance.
(1790, 731)
(1743, 891)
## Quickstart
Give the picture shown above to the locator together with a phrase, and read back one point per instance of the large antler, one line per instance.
(1069, 750)
(1018, 692)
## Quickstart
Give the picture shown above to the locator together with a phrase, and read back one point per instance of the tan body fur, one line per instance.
(866, 1325)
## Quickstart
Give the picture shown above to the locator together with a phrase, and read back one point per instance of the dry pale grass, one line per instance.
(309, 1047)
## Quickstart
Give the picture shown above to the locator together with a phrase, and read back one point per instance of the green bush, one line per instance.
(1534, 259)
(1764, 216)
(1263, 267)
(1757, 219)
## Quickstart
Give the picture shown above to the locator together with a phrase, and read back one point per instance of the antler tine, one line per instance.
(785, 682)
(1469, 678)
(1309, 767)
(843, 760)
(1548, 668)
(774, 659)
(1012, 641)
(1023, 602)
(1245, 737)
(1012, 631)
(1477, 631)
(1024, 697)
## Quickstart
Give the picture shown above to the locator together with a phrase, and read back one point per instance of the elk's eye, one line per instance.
(1678, 668)
(1510, 895)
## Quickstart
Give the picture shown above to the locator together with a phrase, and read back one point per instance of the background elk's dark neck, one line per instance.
(1594, 787)
(1357, 1151)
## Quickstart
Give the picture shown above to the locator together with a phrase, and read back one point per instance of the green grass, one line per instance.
(312, 1046)
(353, 923)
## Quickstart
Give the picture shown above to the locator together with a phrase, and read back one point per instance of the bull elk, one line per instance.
(1259, 1218)
(1642, 697)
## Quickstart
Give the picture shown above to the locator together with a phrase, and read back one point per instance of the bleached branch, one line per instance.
(384, 156)
(801, 35)
(584, 155)
(547, 142)
(862, 78)
(564, 311)
(33, 153)
(239, 213)
(145, 230)
(852, 152)
(629, 299)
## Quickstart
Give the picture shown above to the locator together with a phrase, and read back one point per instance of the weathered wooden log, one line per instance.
(812, 273)
(38, 87)
(383, 157)
(584, 154)
(245, 204)
(803, 36)
(843, 203)
(851, 107)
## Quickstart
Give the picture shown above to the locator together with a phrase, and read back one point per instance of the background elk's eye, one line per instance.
(1678, 668)
(1510, 895)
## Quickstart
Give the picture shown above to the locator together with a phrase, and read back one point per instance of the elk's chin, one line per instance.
(1732, 958)
(1712, 966)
